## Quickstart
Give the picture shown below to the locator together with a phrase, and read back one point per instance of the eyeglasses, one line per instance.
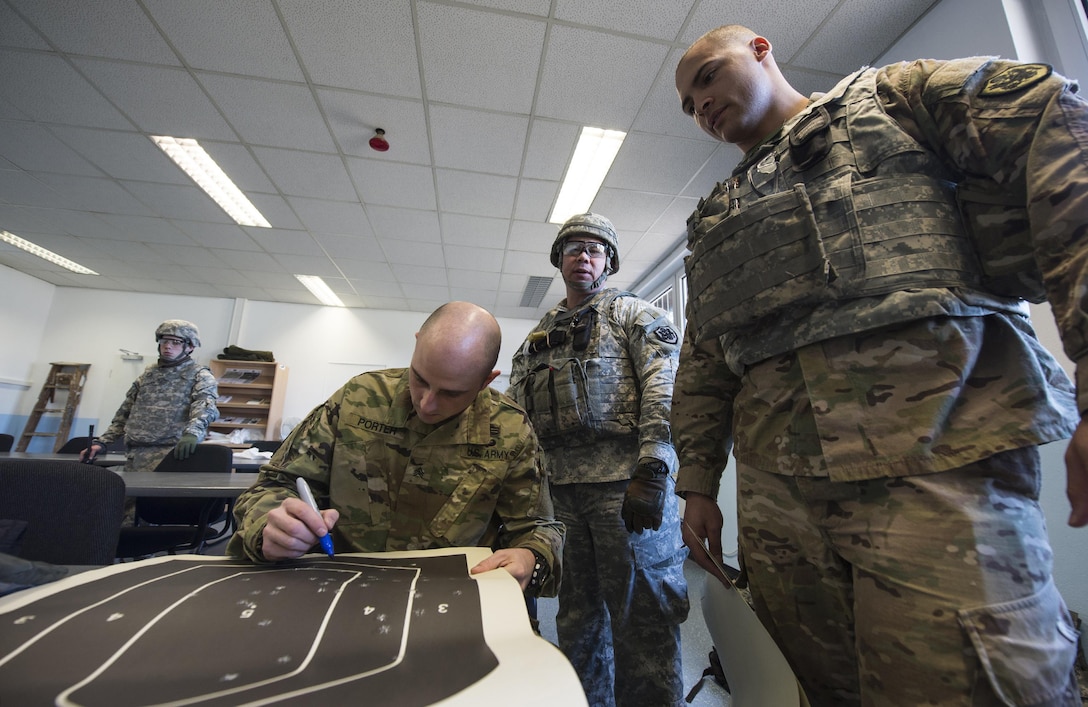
(591, 248)
(171, 341)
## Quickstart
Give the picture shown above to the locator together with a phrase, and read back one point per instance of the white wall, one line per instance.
(321, 346)
(27, 301)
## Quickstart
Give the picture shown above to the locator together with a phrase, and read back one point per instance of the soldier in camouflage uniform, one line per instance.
(168, 408)
(596, 378)
(857, 331)
(412, 459)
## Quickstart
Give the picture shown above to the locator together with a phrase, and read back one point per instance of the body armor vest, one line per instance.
(843, 204)
(579, 384)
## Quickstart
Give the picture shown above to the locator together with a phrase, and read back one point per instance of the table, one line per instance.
(241, 463)
(185, 484)
(110, 459)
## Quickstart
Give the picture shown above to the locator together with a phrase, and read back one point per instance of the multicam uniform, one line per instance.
(624, 595)
(884, 401)
(402, 484)
(163, 404)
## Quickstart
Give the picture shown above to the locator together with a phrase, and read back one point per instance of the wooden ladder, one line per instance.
(67, 378)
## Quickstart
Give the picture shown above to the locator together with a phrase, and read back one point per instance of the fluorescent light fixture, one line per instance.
(592, 159)
(191, 157)
(321, 291)
(44, 254)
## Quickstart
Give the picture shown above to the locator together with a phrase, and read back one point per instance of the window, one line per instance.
(665, 301)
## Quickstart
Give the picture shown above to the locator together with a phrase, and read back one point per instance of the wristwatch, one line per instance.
(541, 570)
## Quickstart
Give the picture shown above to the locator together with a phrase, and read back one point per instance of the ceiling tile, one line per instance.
(412, 252)
(478, 141)
(391, 184)
(468, 258)
(649, 18)
(480, 59)
(479, 231)
(160, 100)
(613, 80)
(33, 148)
(298, 173)
(269, 112)
(353, 118)
(323, 216)
(340, 43)
(237, 37)
(406, 224)
(118, 30)
(476, 194)
(47, 89)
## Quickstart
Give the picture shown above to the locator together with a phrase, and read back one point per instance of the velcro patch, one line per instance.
(1015, 79)
(666, 335)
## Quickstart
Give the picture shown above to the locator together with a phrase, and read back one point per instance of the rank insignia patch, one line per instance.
(1015, 79)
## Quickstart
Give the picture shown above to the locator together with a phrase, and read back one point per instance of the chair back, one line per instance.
(6, 442)
(172, 524)
(75, 445)
(189, 511)
(72, 511)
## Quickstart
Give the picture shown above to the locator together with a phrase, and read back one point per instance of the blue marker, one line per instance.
(308, 497)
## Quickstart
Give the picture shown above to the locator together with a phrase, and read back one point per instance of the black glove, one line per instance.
(185, 447)
(645, 499)
(93, 450)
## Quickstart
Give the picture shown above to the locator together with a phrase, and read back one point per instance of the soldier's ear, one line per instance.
(487, 381)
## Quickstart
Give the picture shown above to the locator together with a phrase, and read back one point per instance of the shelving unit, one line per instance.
(250, 396)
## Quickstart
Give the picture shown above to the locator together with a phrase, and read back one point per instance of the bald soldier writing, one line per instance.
(414, 458)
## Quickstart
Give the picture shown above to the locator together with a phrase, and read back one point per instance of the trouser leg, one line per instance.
(926, 589)
(641, 595)
(582, 622)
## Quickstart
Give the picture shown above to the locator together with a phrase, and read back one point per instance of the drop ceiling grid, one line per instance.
(481, 101)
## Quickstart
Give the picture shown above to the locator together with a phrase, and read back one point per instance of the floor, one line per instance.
(695, 643)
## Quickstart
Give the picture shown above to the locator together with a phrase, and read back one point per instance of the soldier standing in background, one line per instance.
(411, 459)
(596, 378)
(168, 408)
(857, 329)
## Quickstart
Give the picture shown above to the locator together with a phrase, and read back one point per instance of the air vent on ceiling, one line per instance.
(535, 290)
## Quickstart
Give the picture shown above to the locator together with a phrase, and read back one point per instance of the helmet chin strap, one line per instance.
(181, 358)
(586, 286)
(590, 287)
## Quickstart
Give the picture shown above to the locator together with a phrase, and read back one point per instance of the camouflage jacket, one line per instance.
(937, 392)
(620, 379)
(163, 404)
(401, 484)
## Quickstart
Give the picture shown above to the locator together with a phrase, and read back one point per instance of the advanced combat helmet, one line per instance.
(591, 225)
(186, 331)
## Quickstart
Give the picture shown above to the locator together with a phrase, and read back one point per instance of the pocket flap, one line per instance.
(1026, 647)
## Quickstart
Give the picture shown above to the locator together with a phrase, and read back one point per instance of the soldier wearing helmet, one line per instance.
(168, 408)
(596, 378)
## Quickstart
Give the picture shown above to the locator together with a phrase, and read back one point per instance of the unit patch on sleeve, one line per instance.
(1015, 79)
(666, 335)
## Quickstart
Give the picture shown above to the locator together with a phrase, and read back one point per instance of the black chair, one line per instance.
(6, 442)
(72, 511)
(180, 524)
(75, 445)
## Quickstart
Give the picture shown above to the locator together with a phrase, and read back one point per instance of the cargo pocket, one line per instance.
(1026, 647)
(465, 517)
